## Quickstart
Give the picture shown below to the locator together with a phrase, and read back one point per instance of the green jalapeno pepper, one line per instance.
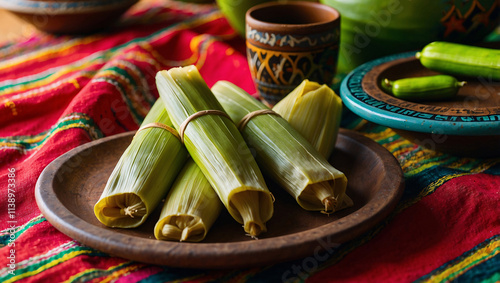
(430, 88)
(461, 60)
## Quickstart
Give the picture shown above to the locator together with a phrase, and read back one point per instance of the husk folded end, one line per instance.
(253, 209)
(190, 209)
(326, 196)
(126, 210)
(181, 227)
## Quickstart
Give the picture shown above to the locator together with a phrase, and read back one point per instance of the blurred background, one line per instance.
(12, 27)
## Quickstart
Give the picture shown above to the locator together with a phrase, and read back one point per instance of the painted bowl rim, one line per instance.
(63, 7)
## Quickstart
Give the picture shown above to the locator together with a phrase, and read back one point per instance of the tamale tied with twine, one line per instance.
(144, 172)
(282, 152)
(315, 111)
(217, 147)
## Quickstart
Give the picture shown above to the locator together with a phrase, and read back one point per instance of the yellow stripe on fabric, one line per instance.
(35, 260)
(483, 166)
(198, 45)
(77, 69)
(40, 137)
(78, 66)
(93, 135)
(123, 81)
(82, 65)
(120, 272)
(381, 135)
(400, 143)
(50, 52)
(428, 190)
(22, 150)
(9, 145)
(418, 161)
(48, 265)
(203, 42)
(43, 88)
(64, 47)
(452, 272)
(91, 270)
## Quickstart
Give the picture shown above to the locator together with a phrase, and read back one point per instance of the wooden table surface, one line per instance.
(12, 28)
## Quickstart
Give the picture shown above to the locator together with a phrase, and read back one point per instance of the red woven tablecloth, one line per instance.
(59, 92)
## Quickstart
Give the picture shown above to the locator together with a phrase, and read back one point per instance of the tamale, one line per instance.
(143, 174)
(217, 147)
(315, 111)
(283, 153)
(190, 209)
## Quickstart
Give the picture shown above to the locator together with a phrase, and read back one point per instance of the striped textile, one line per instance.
(59, 92)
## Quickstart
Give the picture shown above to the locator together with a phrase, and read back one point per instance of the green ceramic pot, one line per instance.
(374, 28)
(235, 10)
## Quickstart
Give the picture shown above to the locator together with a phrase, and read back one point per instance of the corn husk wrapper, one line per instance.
(143, 174)
(217, 147)
(190, 209)
(315, 111)
(283, 153)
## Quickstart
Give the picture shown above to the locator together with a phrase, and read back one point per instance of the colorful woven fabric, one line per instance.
(59, 92)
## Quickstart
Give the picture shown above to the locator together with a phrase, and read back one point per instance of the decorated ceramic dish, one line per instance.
(468, 125)
(68, 16)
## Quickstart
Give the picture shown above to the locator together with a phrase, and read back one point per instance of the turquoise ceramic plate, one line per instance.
(468, 125)
(475, 111)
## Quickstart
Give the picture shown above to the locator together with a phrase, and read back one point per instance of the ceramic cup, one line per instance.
(289, 42)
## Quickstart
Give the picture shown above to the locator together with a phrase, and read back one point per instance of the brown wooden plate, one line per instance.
(69, 187)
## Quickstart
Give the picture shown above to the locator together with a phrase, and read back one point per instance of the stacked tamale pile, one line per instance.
(194, 149)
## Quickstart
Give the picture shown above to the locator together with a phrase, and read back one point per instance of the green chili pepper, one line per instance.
(462, 60)
(430, 88)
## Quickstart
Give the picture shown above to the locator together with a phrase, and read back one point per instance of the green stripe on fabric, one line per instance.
(171, 275)
(469, 262)
(93, 273)
(11, 234)
(33, 80)
(98, 58)
(44, 263)
(486, 271)
(70, 121)
(108, 53)
(132, 82)
(124, 90)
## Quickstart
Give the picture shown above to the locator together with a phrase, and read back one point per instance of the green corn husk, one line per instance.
(190, 209)
(217, 147)
(315, 111)
(143, 174)
(285, 154)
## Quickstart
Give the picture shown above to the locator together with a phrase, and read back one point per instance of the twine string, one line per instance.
(249, 116)
(183, 126)
(161, 126)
